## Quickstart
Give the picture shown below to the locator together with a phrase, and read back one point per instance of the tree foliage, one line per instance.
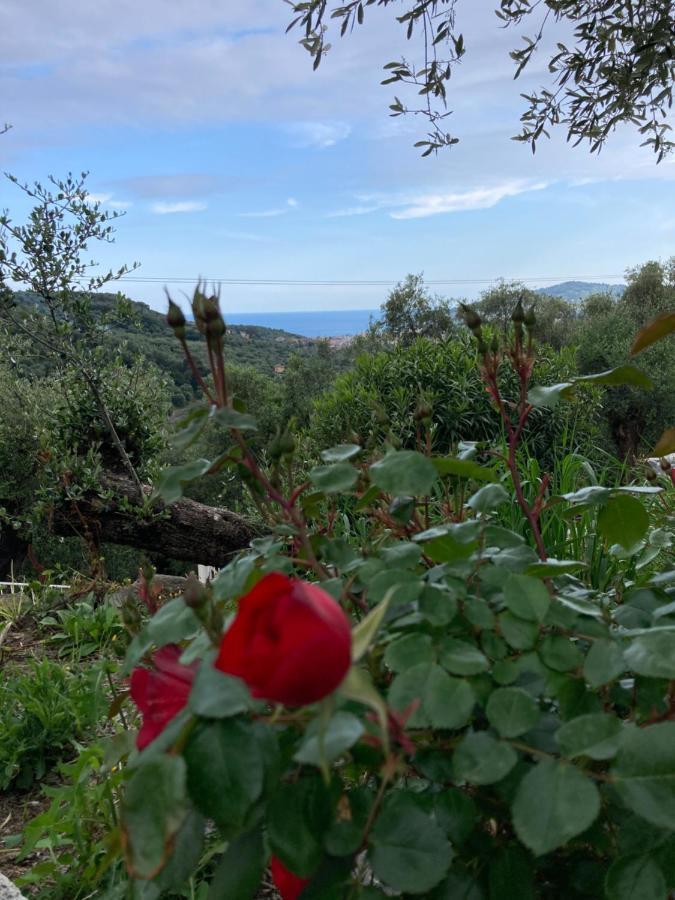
(619, 66)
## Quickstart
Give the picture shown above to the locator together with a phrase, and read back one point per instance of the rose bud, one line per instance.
(518, 314)
(161, 693)
(290, 642)
(289, 885)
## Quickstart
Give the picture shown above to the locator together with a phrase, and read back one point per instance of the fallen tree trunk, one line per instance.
(186, 530)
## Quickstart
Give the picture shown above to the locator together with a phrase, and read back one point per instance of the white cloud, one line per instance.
(185, 206)
(121, 204)
(318, 134)
(463, 201)
(98, 198)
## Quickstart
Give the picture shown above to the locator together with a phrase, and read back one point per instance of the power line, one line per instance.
(299, 282)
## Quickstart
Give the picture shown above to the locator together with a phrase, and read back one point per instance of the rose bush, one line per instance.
(395, 693)
(290, 642)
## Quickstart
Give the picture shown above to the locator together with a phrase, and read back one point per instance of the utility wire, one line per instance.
(298, 282)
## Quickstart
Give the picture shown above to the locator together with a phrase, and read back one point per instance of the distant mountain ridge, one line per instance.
(573, 291)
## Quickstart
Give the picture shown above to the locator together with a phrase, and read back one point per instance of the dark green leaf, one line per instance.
(230, 418)
(408, 851)
(551, 568)
(225, 770)
(216, 695)
(604, 662)
(553, 804)
(652, 655)
(153, 810)
(299, 814)
(488, 498)
(171, 482)
(173, 622)
(521, 635)
(461, 657)
(444, 702)
(240, 869)
(481, 759)
(635, 878)
(404, 472)
(340, 733)
(334, 479)
(526, 597)
(456, 813)
(511, 875)
(596, 735)
(644, 773)
(623, 520)
(409, 651)
(512, 711)
(560, 653)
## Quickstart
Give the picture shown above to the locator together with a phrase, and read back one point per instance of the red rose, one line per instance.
(290, 886)
(290, 642)
(162, 692)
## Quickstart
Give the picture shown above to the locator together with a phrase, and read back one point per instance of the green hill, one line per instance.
(573, 291)
(147, 334)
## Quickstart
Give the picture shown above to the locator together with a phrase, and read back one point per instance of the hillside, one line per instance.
(573, 291)
(146, 333)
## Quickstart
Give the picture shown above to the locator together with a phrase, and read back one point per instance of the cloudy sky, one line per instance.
(203, 121)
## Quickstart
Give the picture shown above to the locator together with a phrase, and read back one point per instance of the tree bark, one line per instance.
(185, 530)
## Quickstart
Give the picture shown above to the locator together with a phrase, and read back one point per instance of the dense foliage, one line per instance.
(394, 692)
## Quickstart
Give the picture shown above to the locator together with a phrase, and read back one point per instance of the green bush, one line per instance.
(382, 394)
(43, 712)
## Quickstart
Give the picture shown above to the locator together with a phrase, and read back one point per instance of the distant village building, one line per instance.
(279, 369)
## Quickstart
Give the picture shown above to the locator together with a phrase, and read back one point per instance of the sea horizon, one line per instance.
(309, 323)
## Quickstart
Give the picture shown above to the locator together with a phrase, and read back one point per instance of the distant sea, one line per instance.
(314, 324)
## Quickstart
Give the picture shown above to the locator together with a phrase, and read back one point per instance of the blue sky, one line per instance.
(205, 124)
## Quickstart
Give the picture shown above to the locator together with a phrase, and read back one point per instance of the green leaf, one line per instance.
(554, 803)
(187, 848)
(358, 686)
(408, 851)
(644, 773)
(652, 655)
(458, 886)
(172, 623)
(445, 702)
(404, 472)
(461, 657)
(364, 633)
(215, 695)
(619, 375)
(550, 396)
(225, 770)
(340, 733)
(153, 810)
(437, 605)
(623, 520)
(635, 878)
(340, 453)
(456, 813)
(512, 711)
(240, 869)
(230, 418)
(665, 444)
(560, 653)
(653, 331)
(488, 498)
(511, 875)
(463, 468)
(170, 484)
(481, 759)
(408, 651)
(604, 663)
(334, 479)
(298, 816)
(596, 735)
(521, 635)
(526, 597)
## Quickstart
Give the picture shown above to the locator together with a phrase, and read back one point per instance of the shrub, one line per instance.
(43, 712)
